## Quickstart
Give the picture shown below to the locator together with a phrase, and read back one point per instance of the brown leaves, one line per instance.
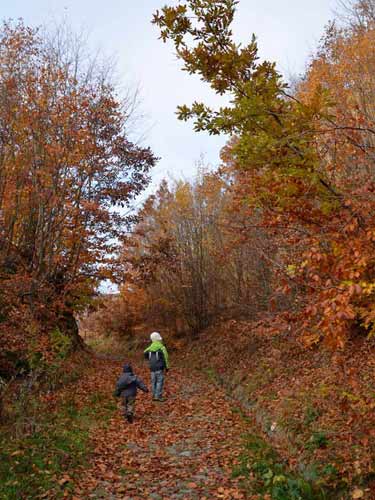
(186, 443)
(68, 168)
(65, 479)
(296, 390)
(303, 166)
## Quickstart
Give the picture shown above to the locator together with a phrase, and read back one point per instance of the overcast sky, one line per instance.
(287, 33)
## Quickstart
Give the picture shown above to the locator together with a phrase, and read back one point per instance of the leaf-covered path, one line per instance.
(183, 448)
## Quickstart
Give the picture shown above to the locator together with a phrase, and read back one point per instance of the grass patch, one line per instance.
(47, 458)
(212, 375)
(311, 415)
(264, 474)
(317, 440)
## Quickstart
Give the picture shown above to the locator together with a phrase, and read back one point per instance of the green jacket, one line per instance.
(157, 363)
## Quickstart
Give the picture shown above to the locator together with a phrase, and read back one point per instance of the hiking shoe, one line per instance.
(130, 418)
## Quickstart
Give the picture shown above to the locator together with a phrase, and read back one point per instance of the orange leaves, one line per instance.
(192, 485)
(355, 289)
(65, 479)
(165, 452)
(307, 173)
(68, 169)
(117, 316)
(349, 241)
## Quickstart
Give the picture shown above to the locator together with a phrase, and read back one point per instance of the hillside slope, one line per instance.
(315, 407)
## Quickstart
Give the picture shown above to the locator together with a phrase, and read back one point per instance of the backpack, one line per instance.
(156, 360)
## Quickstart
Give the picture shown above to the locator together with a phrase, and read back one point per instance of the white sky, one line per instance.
(287, 33)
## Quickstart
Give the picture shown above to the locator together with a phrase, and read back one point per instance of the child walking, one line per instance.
(126, 387)
(158, 360)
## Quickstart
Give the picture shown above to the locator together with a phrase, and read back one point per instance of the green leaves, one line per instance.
(272, 128)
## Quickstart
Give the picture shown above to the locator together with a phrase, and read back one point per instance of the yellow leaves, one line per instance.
(368, 288)
(17, 453)
(325, 390)
(291, 270)
(357, 493)
(183, 195)
(311, 339)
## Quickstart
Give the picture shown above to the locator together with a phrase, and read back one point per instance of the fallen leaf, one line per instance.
(357, 493)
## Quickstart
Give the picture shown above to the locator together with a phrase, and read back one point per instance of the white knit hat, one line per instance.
(155, 337)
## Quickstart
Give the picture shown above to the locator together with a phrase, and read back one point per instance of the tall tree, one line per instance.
(304, 158)
(67, 169)
(189, 254)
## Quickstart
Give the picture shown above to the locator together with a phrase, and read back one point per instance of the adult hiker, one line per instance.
(157, 356)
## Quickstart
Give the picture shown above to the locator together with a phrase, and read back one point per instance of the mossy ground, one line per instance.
(45, 441)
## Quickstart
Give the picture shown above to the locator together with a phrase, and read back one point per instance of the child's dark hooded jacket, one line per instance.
(128, 384)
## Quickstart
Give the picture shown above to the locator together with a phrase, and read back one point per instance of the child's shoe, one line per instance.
(130, 418)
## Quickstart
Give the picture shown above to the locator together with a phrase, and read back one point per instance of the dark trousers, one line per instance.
(129, 405)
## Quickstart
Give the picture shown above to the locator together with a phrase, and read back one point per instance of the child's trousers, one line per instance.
(129, 406)
(157, 383)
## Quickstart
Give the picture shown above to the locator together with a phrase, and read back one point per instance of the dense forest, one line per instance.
(286, 224)
(260, 274)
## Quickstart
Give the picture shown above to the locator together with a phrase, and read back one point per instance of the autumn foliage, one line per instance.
(67, 168)
(249, 271)
(301, 160)
(281, 236)
(189, 255)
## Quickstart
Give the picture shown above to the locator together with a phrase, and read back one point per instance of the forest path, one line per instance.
(183, 448)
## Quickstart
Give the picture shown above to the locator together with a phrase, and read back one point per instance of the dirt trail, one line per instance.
(183, 448)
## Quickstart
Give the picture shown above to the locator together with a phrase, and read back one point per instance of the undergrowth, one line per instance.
(43, 460)
(265, 474)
